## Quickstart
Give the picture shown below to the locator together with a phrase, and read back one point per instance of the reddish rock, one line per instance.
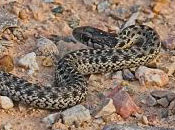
(151, 77)
(123, 103)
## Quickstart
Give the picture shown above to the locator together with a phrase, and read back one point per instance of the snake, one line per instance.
(133, 46)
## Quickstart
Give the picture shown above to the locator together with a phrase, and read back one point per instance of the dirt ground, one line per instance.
(37, 18)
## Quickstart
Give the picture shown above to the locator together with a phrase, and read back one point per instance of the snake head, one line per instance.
(83, 34)
(94, 37)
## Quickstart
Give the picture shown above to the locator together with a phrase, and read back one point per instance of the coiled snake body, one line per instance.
(132, 47)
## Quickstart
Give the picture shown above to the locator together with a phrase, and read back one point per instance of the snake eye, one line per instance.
(86, 38)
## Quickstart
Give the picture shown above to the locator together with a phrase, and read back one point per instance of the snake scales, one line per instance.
(132, 47)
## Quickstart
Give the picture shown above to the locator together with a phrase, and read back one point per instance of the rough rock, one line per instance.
(57, 10)
(167, 65)
(151, 77)
(46, 47)
(127, 75)
(102, 6)
(6, 63)
(123, 103)
(169, 43)
(163, 102)
(117, 76)
(51, 119)
(47, 61)
(6, 103)
(145, 120)
(163, 93)
(76, 114)
(7, 126)
(150, 101)
(172, 105)
(90, 2)
(29, 61)
(107, 109)
(160, 93)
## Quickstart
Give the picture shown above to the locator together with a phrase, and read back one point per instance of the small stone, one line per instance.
(98, 121)
(47, 61)
(172, 105)
(46, 47)
(151, 77)
(163, 102)
(77, 114)
(164, 113)
(6, 103)
(73, 22)
(107, 109)
(170, 96)
(167, 65)
(102, 6)
(169, 43)
(29, 61)
(161, 6)
(145, 120)
(150, 101)
(23, 14)
(49, 1)
(123, 103)
(117, 76)
(89, 2)
(57, 10)
(51, 119)
(7, 126)
(159, 93)
(127, 75)
(6, 63)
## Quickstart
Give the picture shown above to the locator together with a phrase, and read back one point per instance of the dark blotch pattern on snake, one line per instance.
(132, 47)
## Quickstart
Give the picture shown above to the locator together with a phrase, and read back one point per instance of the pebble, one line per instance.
(172, 105)
(90, 2)
(151, 77)
(123, 103)
(46, 47)
(76, 114)
(23, 14)
(127, 75)
(102, 6)
(29, 61)
(6, 63)
(163, 102)
(107, 109)
(145, 120)
(167, 65)
(73, 22)
(160, 93)
(47, 61)
(57, 10)
(169, 43)
(118, 77)
(49, 1)
(6, 103)
(150, 101)
(51, 119)
(7, 126)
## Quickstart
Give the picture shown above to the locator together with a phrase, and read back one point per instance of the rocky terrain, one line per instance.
(33, 32)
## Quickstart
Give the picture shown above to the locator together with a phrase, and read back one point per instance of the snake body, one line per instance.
(132, 47)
